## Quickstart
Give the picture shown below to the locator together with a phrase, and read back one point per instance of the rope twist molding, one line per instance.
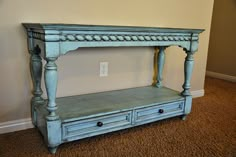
(111, 37)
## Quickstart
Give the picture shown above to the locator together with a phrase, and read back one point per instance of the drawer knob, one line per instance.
(161, 111)
(99, 124)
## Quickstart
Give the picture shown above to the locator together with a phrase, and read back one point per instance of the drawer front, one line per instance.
(149, 114)
(94, 126)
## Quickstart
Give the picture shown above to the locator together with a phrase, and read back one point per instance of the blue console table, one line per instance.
(71, 118)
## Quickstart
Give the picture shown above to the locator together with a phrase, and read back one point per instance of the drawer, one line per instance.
(149, 114)
(94, 126)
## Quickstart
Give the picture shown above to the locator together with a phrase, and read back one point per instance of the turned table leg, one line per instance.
(53, 123)
(160, 65)
(188, 69)
(36, 75)
(50, 75)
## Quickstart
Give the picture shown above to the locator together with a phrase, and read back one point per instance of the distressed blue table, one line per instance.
(71, 118)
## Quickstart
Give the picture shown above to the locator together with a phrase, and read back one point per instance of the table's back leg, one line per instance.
(155, 66)
(36, 75)
(160, 65)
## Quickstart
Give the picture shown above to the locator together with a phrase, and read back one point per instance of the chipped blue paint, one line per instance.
(71, 118)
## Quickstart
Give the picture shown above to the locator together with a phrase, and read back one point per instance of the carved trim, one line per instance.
(112, 37)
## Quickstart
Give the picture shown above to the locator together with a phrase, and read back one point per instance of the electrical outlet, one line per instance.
(103, 69)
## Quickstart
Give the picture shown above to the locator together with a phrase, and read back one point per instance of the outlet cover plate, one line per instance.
(103, 69)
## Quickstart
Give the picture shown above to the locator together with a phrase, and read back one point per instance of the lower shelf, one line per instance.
(90, 105)
(93, 114)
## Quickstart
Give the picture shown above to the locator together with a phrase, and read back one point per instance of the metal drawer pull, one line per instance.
(99, 124)
(161, 111)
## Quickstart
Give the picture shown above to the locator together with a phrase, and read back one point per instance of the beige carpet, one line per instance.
(209, 131)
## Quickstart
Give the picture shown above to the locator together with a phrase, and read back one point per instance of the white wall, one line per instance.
(78, 71)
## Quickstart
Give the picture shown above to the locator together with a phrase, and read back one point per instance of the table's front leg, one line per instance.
(53, 123)
(50, 76)
(188, 69)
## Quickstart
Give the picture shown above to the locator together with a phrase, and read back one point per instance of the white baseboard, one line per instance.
(15, 125)
(26, 123)
(198, 93)
(221, 76)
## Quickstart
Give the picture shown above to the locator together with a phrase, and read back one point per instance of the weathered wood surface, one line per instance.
(58, 39)
(89, 105)
(63, 119)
